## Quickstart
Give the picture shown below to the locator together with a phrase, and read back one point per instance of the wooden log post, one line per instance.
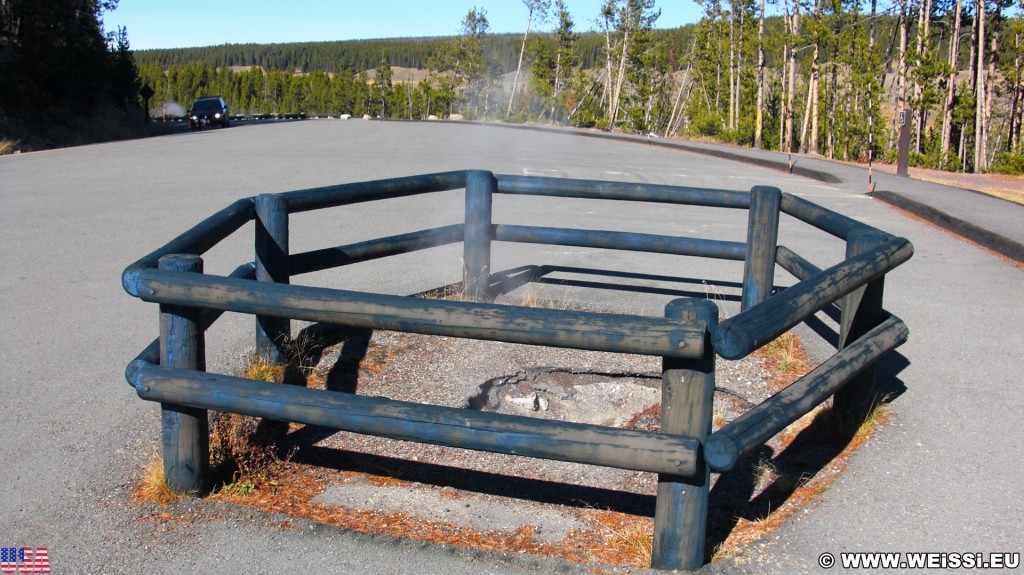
(476, 268)
(272, 266)
(862, 311)
(762, 243)
(687, 405)
(185, 430)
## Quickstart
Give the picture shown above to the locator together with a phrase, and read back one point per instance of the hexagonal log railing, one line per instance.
(171, 370)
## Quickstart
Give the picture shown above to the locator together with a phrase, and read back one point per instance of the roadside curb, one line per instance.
(988, 239)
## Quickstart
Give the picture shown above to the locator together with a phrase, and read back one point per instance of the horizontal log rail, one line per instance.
(452, 427)
(826, 220)
(327, 258)
(345, 194)
(196, 240)
(749, 431)
(795, 264)
(749, 330)
(602, 190)
(621, 241)
(171, 370)
(550, 327)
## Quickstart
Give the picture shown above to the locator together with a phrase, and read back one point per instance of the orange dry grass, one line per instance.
(153, 487)
(304, 483)
(785, 358)
(624, 540)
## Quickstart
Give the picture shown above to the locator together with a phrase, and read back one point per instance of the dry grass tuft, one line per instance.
(785, 358)
(154, 488)
(564, 302)
(262, 370)
(623, 539)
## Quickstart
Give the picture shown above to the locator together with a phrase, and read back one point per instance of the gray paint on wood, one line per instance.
(191, 302)
(556, 328)
(327, 258)
(753, 428)
(795, 264)
(602, 190)
(465, 428)
(196, 240)
(824, 219)
(621, 241)
(476, 258)
(358, 192)
(687, 405)
(271, 246)
(862, 311)
(185, 429)
(747, 331)
(762, 241)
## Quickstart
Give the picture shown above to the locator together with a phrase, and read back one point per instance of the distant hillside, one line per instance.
(358, 55)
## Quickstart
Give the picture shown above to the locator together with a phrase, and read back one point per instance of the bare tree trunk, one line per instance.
(621, 76)
(901, 93)
(677, 111)
(990, 90)
(807, 118)
(739, 67)
(732, 61)
(759, 120)
(785, 55)
(815, 73)
(791, 92)
(1015, 101)
(871, 112)
(832, 103)
(606, 96)
(979, 114)
(519, 67)
(947, 116)
(923, 24)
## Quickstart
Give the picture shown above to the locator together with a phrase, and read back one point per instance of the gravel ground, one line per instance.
(486, 491)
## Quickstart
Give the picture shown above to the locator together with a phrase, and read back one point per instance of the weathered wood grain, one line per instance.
(271, 245)
(862, 311)
(327, 258)
(358, 192)
(602, 190)
(620, 241)
(556, 328)
(476, 255)
(745, 332)
(687, 405)
(762, 242)
(465, 428)
(185, 430)
(753, 428)
(795, 264)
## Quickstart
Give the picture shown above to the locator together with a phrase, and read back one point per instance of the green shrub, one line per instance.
(953, 164)
(1008, 163)
(706, 123)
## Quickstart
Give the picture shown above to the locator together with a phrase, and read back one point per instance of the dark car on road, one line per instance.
(207, 111)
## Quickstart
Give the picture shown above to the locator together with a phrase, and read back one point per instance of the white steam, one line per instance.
(168, 109)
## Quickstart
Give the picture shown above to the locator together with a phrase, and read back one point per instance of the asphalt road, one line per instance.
(943, 477)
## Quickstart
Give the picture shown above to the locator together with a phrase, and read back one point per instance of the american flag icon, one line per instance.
(24, 560)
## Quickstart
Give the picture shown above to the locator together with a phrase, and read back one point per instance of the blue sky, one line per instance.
(187, 23)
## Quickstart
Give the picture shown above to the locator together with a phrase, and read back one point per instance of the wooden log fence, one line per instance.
(171, 370)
